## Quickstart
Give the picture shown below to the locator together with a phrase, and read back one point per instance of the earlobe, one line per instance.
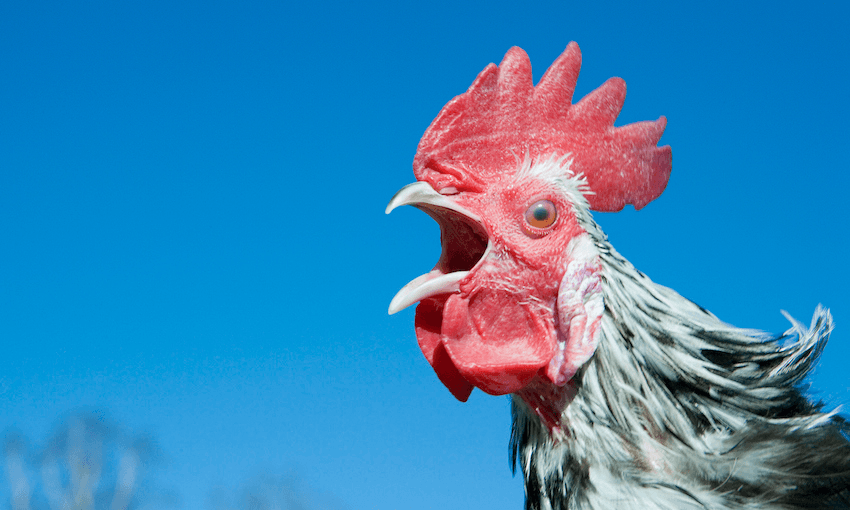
(580, 309)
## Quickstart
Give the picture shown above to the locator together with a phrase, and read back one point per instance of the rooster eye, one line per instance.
(541, 214)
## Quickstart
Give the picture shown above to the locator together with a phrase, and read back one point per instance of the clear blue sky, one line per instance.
(193, 237)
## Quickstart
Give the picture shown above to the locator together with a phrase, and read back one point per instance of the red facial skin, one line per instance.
(500, 330)
(527, 316)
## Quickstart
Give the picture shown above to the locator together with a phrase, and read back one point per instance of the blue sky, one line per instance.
(193, 237)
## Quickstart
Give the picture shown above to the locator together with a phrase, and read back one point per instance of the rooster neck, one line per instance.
(678, 410)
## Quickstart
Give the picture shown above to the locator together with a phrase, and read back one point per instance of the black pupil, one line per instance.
(540, 213)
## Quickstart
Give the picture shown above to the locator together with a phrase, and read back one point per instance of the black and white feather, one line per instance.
(678, 410)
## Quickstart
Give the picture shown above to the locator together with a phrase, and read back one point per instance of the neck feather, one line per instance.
(679, 410)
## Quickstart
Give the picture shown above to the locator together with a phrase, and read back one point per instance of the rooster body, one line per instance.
(624, 394)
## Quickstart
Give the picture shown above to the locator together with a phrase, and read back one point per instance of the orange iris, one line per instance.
(541, 214)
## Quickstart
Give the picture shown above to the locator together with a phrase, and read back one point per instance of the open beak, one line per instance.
(463, 238)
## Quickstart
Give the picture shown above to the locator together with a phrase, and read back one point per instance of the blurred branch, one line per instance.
(14, 450)
(72, 466)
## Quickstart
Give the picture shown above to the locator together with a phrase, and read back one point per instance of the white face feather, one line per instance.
(558, 171)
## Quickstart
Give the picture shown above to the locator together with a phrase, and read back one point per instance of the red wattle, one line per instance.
(429, 316)
(494, 342)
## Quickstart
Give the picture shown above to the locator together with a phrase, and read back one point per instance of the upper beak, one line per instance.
(421, 194)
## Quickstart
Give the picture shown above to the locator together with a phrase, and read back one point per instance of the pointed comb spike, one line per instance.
(554, 94)
(485, 84)
(515, 89)
(515, 68)
(640, 133)
(478, 136)
(515, 81)
(602, 106)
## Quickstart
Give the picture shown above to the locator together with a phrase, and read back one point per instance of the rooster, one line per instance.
(625, 395)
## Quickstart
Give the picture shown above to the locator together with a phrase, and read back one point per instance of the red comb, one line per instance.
(487, 131)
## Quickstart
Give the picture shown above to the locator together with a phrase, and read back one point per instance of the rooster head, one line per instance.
(509, 170)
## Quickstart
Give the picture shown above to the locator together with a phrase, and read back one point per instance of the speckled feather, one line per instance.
(679, 410)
